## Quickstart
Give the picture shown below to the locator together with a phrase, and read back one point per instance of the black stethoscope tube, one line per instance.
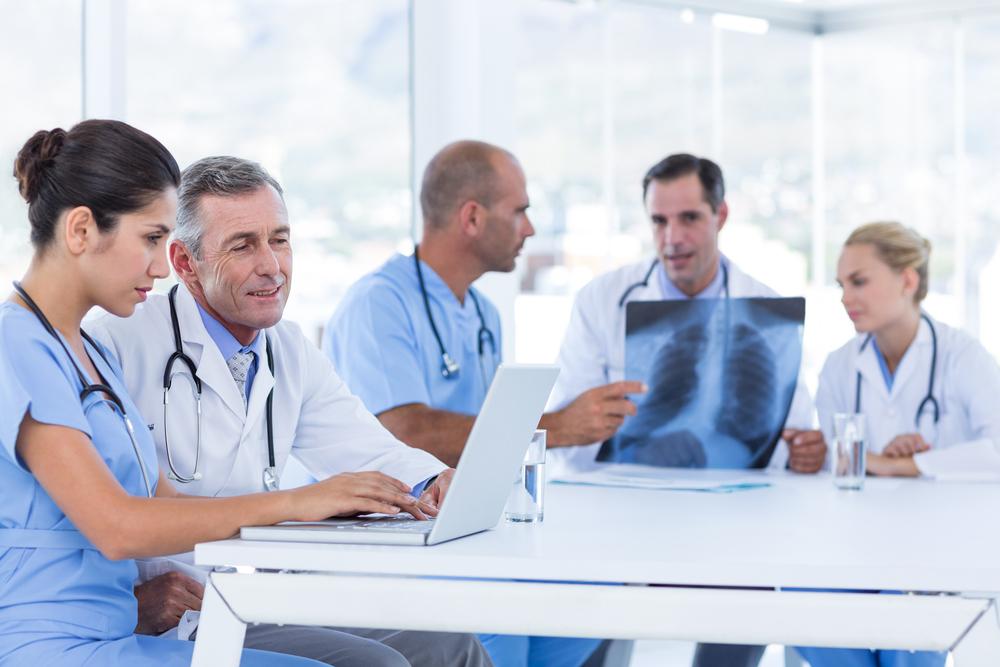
(270, 474)
(449, 367)
(88, 388)
(929, 398)
(649, 274)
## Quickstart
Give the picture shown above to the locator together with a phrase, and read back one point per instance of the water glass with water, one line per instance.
(524, 505)
(849, 447)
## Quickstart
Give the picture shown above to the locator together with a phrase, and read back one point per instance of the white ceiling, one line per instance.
(824, 16)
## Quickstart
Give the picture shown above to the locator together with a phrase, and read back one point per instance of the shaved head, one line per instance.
(461, 172)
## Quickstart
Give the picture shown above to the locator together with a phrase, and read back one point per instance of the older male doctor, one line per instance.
(685, 200)
(265, 392)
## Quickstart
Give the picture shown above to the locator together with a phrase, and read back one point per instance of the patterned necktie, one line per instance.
(239, 364)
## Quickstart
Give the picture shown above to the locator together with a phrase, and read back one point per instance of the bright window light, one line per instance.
(740, 23)
(687, 15)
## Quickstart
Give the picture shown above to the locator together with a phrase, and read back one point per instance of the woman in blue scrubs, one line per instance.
(80, 496)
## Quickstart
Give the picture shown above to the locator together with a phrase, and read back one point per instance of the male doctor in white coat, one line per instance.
(685, 199)
(231, 251)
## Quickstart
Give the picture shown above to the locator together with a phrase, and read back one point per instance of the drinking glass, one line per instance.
(524, 505)
(849, 447)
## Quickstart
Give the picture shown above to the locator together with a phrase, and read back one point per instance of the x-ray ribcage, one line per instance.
(750, 388)
(721, 376)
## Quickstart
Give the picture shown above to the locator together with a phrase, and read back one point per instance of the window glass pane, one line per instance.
(315, 90)
(41, 89)
(662, 103)
(890, 142)
(767, 155)
(982, 139)
(558, 141)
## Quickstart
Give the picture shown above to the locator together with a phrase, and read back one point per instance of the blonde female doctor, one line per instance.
(931, 393)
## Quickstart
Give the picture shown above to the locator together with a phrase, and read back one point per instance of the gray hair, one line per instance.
(220, 176)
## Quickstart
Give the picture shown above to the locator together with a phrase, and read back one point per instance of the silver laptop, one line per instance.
(483, 479)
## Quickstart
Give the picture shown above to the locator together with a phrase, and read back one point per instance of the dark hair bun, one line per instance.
(37, 154)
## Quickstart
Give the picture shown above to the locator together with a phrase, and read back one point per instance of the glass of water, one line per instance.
(849, 447)
(524, 505)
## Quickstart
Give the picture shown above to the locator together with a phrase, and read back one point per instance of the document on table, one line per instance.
(640, 477)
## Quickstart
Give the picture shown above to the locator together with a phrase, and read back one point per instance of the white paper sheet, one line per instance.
(641, 477)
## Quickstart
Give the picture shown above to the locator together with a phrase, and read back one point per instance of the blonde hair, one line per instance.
(899, 247)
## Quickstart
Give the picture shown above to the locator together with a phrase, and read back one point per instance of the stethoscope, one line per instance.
(110, 397)
(929, 398)
(449, 367)
(270, 474)
(644, 283)
(649, 274)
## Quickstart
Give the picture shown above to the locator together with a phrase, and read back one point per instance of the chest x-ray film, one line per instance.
(721, 376)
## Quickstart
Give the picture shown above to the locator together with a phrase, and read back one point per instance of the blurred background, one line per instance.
(823, 116)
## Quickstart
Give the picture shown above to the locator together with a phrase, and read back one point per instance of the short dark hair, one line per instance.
(677, 166)
(108, 166)
(460, 172)
(219, 176)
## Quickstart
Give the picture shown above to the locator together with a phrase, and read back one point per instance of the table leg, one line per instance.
(220, 633)
(980, 646)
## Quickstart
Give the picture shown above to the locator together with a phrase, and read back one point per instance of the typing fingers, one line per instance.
(381, 490)
(420, 510)
(382, 477)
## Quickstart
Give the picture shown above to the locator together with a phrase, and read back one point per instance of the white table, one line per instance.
(726, 561)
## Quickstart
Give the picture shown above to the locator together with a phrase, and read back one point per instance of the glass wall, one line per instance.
(672, 82)
(41, 88)
(318, 91)
(982, 83)
(315, 90)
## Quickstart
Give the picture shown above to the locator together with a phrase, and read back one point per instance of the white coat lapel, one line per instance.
(212, 368)
(912, 359)
(262, 384)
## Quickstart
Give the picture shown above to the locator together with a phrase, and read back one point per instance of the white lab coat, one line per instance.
(316, 417)
(966, 386)
(593, 352)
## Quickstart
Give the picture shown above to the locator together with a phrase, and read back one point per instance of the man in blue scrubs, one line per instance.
(419, 345)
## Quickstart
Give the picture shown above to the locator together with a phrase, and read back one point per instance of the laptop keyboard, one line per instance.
(398, 523)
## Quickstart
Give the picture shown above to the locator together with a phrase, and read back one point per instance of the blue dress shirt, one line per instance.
(670, 291)
(228, 345)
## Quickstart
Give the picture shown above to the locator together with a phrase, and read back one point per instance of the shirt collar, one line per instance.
(224, 340)
(670, 291)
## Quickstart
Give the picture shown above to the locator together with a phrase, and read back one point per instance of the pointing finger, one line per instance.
(625, 388)
(620, 407)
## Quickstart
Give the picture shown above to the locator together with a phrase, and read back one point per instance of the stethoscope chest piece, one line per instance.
(449, 367)
(271, 479)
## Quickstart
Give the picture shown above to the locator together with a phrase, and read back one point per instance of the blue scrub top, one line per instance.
(62, 591)
(382, 345)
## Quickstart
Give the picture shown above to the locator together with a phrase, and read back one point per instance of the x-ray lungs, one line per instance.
(721, 376)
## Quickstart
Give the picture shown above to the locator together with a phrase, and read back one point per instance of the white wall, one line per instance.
(463, 88)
